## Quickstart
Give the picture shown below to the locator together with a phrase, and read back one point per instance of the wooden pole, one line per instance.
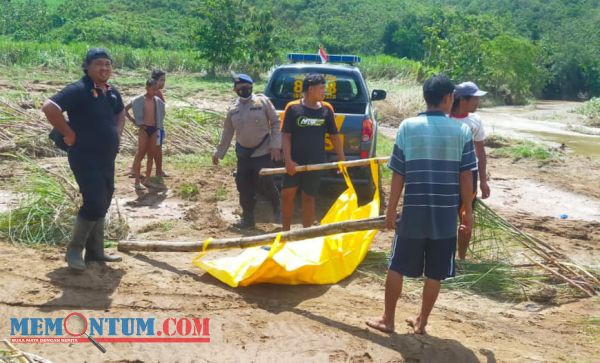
(325, 166)
(260, 240)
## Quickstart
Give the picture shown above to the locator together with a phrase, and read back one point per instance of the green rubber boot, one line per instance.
(94, 248)
(81, 233)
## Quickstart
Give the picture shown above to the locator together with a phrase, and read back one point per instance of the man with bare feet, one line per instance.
(433, 157)
(160, 77)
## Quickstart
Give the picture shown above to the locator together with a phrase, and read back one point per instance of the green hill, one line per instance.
(544, 48)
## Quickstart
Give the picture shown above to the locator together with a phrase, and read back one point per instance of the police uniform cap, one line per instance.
(242, 78)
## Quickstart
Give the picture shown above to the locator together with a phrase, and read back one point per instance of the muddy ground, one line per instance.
(308, 323)
(300, 323)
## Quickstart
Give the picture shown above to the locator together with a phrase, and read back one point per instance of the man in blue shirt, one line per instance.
(432, 160)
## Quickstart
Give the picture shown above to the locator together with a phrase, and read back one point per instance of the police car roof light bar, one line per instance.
(314, 58)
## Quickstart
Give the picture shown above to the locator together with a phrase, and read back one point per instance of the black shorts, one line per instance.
(413, 257)
(308, 182)
(150, 130)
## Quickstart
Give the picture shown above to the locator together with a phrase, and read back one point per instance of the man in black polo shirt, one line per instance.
(96, 121)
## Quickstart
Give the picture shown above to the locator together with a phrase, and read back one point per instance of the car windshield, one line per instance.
(340, 88)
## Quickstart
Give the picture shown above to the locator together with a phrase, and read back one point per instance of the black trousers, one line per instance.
(249, 182)
(95, 176)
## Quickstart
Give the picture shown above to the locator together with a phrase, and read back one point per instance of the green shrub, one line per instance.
(591, 109)
(188, 191)
(525, 150)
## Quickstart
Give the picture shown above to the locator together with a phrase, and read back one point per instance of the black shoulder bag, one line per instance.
(246, 152)
(58, 139)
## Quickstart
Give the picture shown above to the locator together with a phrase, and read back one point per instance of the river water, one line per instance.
(547, 121)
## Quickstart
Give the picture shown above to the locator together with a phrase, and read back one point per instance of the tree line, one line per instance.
(517, 49)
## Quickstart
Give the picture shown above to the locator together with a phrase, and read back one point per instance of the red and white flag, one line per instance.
(323, 55)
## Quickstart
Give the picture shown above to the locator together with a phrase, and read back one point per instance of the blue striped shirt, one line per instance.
(430, 152)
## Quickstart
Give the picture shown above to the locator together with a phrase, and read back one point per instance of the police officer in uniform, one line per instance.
(96, 120)
(254, 121)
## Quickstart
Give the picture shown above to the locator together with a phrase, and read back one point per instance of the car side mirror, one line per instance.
(378, 95)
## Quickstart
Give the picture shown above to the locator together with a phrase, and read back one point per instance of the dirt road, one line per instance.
(289, 323)
(304, 323)
(568, 186)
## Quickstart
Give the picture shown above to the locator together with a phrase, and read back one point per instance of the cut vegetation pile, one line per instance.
(25, 130)
(188, 130)
(507, 264)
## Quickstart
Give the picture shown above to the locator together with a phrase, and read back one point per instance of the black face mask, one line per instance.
(244, 93)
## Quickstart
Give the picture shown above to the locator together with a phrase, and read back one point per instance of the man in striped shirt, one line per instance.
(432, 159)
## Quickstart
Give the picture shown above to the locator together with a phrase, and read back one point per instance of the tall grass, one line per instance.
(385, 66)
(404, 99)
(385, 146)
(48, 203)
(70, 56)
(498, 280)
(45, 212)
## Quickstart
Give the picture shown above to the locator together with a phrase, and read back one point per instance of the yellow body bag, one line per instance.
(320, 260)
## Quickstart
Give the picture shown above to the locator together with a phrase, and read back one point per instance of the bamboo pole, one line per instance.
(586, 282)
(260, 240)
(587, 273)
(325, 166)
(562, 277)
(539, 246)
